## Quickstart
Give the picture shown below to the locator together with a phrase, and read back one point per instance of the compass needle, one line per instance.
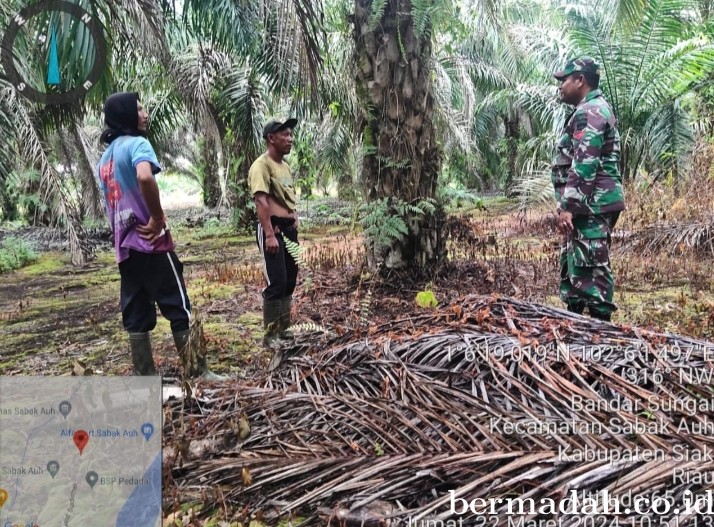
(53, 71)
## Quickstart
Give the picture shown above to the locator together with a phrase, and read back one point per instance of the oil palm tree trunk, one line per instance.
(402, 156)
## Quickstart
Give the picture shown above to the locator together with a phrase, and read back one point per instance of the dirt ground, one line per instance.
(56, 319)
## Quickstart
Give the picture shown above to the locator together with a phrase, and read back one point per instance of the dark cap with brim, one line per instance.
(276, 125)
(579, 65)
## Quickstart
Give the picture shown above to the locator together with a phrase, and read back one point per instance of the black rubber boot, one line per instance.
(576, 307)
(141, 355)
(607, 317)
(200, 368)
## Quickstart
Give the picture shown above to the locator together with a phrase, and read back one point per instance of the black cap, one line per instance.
(275, 125)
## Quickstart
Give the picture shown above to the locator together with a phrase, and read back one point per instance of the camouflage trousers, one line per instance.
(585, 274)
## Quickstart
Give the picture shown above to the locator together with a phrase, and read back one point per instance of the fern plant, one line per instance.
(385, 220)
(381, 227)
(309, 327)
(456, 197)
(378, 8)
(297, 251)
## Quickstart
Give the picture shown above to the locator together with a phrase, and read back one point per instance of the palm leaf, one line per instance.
(285, 36)
(627, 12)
(645, 66)
(243, 103)
(670, 137)
(8, 146)
(535, 189)
(53, 187)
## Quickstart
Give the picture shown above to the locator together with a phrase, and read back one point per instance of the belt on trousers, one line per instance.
(277, 221)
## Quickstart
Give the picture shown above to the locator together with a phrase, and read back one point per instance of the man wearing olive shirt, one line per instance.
(272, 188)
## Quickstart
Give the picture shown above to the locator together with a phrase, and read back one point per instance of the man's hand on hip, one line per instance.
(153, 230)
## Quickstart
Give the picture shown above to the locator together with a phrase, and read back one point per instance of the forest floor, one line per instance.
(55, 318)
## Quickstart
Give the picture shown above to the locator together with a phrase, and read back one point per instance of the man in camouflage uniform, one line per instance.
(588, 187)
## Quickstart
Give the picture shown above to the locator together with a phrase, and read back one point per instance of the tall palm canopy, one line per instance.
(405, 100)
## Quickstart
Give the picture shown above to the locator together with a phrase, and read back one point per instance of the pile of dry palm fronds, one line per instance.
(376, 429)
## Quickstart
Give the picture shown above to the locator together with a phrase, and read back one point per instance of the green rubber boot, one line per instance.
(197, 367)
(286, 305)
(272, 318)
(141, 355)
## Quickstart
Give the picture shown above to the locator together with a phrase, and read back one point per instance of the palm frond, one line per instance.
(196, 72)
(645, 66)
(137, 24)
(244, 104)
(535, 189)
(332, 145)
(545, 46)
(627, 12)
(362, 430)
(674, 238)
(166, 114)
(54, 189)
(91, 198)
(8, 135)
(232, 26)
(670, 137)
(455, 97)
(675, 71)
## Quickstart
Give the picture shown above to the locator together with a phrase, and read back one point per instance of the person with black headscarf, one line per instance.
(150, 271)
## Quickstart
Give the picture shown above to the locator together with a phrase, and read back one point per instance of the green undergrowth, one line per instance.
(52, 313)
(493, 205)
(203, 290)
(213, 228)
(673, 309)
(45, 264)
(15, 253)
(232, 342)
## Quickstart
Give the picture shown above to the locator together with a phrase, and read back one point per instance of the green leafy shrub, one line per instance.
(426, 299)
(456, 197)
(15, 253)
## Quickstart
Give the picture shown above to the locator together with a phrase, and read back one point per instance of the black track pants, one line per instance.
(150, 279)
(280, 269)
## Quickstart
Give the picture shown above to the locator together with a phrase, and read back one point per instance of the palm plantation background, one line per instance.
(422, 162)
(403, 105)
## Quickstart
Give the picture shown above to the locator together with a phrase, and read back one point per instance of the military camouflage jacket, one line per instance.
(586, 175)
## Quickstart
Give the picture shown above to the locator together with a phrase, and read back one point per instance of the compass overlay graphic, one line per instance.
(21, 28)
